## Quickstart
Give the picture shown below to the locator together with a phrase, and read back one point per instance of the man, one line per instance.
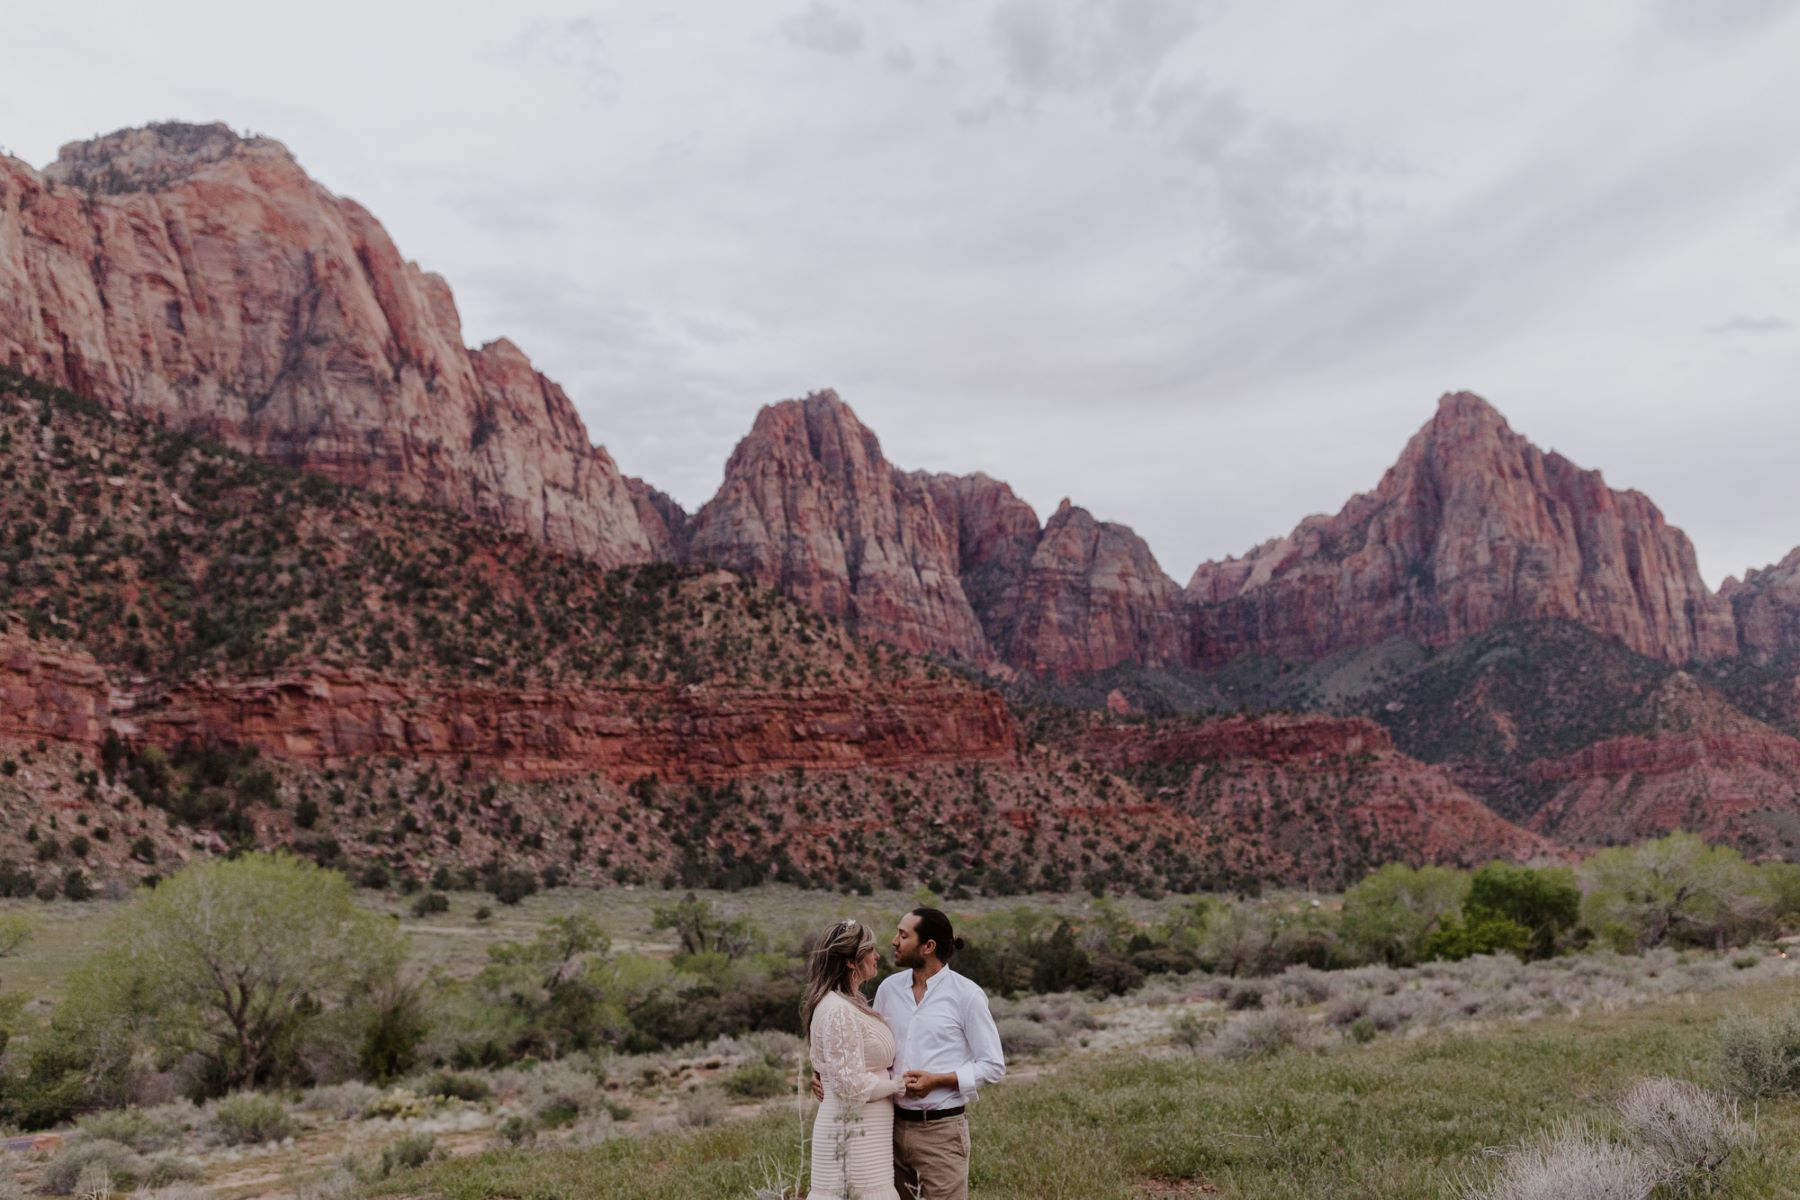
(946, 1048)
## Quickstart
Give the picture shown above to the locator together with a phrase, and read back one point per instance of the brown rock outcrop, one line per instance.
(1093, 597)
(1326, 795)
(810, 504)
(1633, 788)
(1472, 527)
(1766, 605)
(327, 717)
(185, 273)
(56, 693)
(995, 534)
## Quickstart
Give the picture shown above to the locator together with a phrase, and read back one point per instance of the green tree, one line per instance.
(1389, 914)
(15, 930)
(701, 930)
(227, 960)
(552, 989)
(1544, 900)
(1676, 889)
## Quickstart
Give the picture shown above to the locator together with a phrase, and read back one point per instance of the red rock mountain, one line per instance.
(935, 563)
(1472, 527)
(184, 272)
(1766, 605)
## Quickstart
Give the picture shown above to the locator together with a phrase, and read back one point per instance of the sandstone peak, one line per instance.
(1472, 527)
(152, 156)
(189, 273)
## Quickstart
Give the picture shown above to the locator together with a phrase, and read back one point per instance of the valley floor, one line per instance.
(1400, 1118)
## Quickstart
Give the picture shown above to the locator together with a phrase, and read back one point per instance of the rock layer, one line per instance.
(1325, 794)
(330, 717)
(1472, 527)
(186, 273)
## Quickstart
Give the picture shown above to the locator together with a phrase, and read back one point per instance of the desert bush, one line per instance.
(410, 1151)
(85, 1157)
(1759, 1057)
(1245, 994)
(1300, 986)
(248, 1118)
(397, 1104)
(555, 1094)
(143, 1129)
(345, 1101)
(456, 1086)
(1691, 1132)
(759, 1081)
(1022, 1038)
(1191, 1032)
(1259, 1033)
(701, 1109)
(1569, 1163)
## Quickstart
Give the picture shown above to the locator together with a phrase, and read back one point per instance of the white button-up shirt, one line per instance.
(949, 1031)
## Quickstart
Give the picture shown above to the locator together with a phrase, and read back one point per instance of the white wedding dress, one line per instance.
(853, 1135)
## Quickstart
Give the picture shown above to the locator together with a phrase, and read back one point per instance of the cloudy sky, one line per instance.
(1202, 266)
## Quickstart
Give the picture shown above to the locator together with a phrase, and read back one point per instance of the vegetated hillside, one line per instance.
(243, 655)
(169, 556)
(1314, 798)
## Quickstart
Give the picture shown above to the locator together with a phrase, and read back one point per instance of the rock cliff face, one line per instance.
(810, 504)
(185, 273)
(326, 717)
(1472, 527)
(1766, 605)
(936, 563)
(1092, 597)
(1325, 795)
(1730, 787)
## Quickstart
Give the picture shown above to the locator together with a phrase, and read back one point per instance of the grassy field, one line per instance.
(1400, 1119)
(68, 933)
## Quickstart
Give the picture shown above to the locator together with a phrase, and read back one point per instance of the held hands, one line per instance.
(918, 1083)
(914, 1083)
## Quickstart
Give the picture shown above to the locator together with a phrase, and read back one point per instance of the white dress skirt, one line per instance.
(853, 1135)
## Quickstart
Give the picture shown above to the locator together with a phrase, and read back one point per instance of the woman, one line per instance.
(853, 1051)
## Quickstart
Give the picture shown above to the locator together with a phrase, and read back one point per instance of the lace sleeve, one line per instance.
(837, 1052)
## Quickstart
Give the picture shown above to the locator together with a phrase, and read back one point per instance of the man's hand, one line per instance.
(919, 1083)
(818, 1088)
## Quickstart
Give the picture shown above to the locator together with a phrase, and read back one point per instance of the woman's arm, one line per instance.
(837, 1051)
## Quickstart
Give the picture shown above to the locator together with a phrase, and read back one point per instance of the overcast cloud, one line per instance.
(1201, 266)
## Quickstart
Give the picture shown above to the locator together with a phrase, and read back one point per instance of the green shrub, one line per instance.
(1487, 934)
(411, 1151)
(85, 1156)
(142, 1129)
(249, 1118)
(756, 1081)
(457, 1086)
(1759, 1057)
(429, 903)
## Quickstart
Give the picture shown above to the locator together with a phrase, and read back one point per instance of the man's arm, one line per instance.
(987, 1061)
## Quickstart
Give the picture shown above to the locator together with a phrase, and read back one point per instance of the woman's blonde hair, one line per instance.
(835, 953)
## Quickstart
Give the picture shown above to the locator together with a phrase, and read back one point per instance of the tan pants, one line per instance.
(931, 1159)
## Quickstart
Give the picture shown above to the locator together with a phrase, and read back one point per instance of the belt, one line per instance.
(926, 1114)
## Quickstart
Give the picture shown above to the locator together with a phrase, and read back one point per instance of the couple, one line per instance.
(894, 1076)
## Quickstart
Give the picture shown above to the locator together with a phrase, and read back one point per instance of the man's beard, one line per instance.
(903, 959)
